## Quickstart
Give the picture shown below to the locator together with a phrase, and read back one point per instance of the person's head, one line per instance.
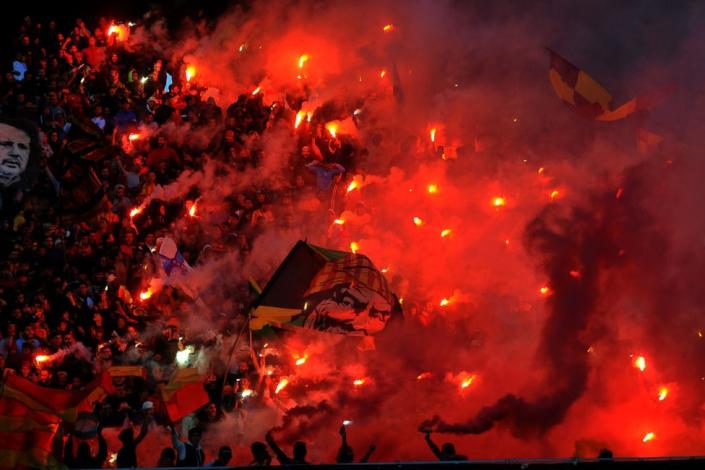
(91, 41)
(300, 451)
(448, 449)
(167, 458)
(194, 436)
(19, 152)
(225, 454)
(259, 452)
(605, 454)
(211, 410)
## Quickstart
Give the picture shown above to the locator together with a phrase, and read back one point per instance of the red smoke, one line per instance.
(525, 192)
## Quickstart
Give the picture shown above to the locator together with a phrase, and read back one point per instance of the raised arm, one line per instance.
(178, 445)
(434, 448)
(365, 458)
(143, 432)
(281, 456)
(102, 448)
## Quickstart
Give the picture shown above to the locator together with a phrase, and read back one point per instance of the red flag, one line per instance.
(184, 394)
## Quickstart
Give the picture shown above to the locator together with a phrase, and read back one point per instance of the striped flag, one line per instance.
(590, 99)
(30, 416)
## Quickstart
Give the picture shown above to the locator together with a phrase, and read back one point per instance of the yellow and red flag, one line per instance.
(184, 393)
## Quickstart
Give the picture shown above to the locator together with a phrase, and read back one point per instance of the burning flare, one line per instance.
(332, 128)
(498, 201)
(256, 90)
(359, 382)
(190, 72)
(432, 188)
(467, 381)
(444, 302)
(662, 393)
(301, 360)
(339, 221)
(145, 295)
(649, 436)
(41, 358)
(445, 232)
(388, 28)
(418, 222)
(640, 363)
(192, 210)
(133, 136)
(135, 211)
(281, 385)
(299, 119)
(354, 247)
(433, 135)
(424, 376)
(545, 290)
(353, 185)
(302, 60)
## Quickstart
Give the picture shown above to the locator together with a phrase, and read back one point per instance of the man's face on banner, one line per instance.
(14, 154)
(350, 309)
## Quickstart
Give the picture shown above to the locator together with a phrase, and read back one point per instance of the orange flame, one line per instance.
(649, 436)
(299, 119)
(339, 221)
(332, 128)
(135, 211)
(145, 295)
(358, 382)
(433, 135)
(662, 393)
(192, 210)
(382, 73)
(640, 363)
(388, 28)
(354, 246)
(444, 302)
(424, 376)
(281, 385)
(432, 188)
(302, 60)
(353, 185)
(41, 358)
(418, 222)
(445, 232)
(133, 136)
(256, 90)
(467, 381)
(545, 290)
(554, 194)
(190, 72)
(498, 201)
(119, 30)
(301, 360)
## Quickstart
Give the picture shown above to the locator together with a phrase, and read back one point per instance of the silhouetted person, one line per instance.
(127, 455)
(167, 458)
(446, 452)
(224, 455)
(299, 452)
(346, 454)
(606, 455)
(189, 454)
(83, 457)
(260, 456)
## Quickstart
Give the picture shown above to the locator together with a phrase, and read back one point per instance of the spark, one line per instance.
(640, 363)
(256, 90)
(354, 246)
(190, 72)
(432, 133)
(418, 222)
(432, 188)
(145, 295)
(649, 436)
(498, 201)
(445, 232)
(467, 381)
(302, 60)
(332, 128)
(388, 28)
(424, 376)
(281, 385)
(662, 393)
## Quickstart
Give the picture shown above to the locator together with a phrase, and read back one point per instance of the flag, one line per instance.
(30, 416)
(326, 290)
(175, 266)
(184, 394)
(590, 99)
